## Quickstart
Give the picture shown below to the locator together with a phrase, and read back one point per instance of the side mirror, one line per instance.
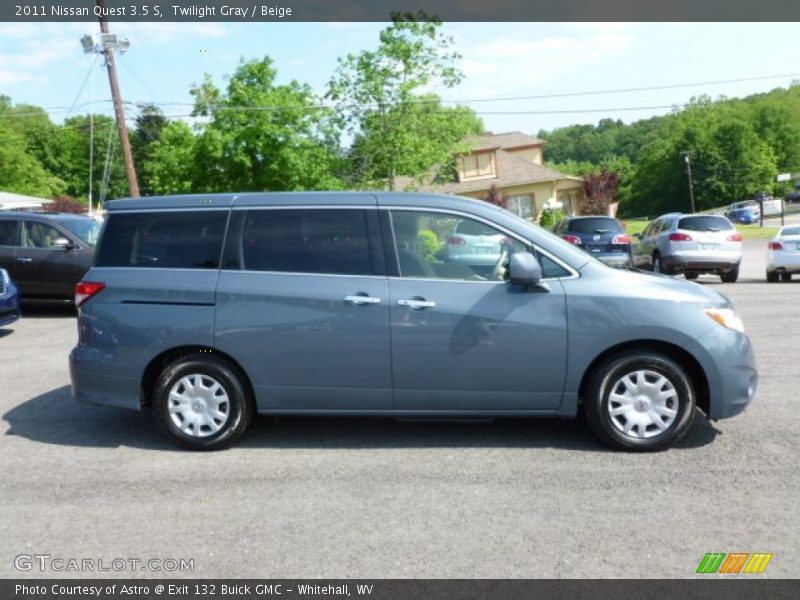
(62, 244)
(524, 269)
(637, 235)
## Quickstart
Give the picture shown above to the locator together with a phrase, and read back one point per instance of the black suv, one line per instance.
(46, 254)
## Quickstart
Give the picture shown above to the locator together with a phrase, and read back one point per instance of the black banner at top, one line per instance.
(380, 10)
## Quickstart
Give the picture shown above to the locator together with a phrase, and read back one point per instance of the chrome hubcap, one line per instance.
(198, 405)
(643, 404)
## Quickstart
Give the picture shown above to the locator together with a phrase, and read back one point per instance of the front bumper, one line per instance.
(735, 380)
(9, 307)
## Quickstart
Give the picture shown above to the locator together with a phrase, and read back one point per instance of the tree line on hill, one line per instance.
(737, 147)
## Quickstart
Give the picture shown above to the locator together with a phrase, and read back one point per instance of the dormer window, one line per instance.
(478, 165)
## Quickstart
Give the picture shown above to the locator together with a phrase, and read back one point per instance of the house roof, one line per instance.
(512, 171)
(509, 139)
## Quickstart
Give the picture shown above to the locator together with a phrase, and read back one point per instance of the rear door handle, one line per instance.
(416, 303)
(24, 259)
(359, 300)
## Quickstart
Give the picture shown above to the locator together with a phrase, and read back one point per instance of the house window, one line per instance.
(523, 205)
(569, 200)
(477, 165)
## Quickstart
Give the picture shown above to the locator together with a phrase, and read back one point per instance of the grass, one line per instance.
(749, 232)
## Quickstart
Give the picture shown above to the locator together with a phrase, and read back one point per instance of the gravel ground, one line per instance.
(377, 498)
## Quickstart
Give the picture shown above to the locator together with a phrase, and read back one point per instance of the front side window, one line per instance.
(175, 240)
(444, 246)
(39, 235)
(325, 241)
(9, 233)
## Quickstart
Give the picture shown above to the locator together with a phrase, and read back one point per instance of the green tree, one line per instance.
(20, 171)
(170, 164)
(262, 135)
(398, 129)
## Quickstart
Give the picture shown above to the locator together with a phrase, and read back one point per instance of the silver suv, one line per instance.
(690, 244)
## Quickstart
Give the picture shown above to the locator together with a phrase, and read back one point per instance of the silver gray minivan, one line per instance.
(211, 308)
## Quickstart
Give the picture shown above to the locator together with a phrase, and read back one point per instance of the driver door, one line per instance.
(462, 338)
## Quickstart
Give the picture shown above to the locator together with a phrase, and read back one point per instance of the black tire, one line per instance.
(691, 275)
(659, 266)
(608, 374)
(238, 409)
(772, 276)
(786, 276)
(731, 276)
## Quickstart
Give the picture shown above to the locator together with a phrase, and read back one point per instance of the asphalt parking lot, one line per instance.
(379, 498)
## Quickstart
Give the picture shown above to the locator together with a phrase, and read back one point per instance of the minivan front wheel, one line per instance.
(640, 401)
(201, 403)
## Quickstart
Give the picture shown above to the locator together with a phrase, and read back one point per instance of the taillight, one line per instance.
(456, 241)
(622, 238)
(775, 246)
(572, 239)
(735, 237)
(680, 237)
(85, 290)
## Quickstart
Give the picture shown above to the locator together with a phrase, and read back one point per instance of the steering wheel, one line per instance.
(499, 270)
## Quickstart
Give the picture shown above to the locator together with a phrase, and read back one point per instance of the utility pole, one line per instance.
(108, 43)
(687, 155)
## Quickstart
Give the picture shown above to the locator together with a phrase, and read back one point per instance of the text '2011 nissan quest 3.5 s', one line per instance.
(212, 308)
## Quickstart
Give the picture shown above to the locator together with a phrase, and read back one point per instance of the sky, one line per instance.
(43, 64)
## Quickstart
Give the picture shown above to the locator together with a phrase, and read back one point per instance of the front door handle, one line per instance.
(416, 303)
(359, 300)
(24, 259)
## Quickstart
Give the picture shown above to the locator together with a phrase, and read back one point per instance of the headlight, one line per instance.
(726, 317)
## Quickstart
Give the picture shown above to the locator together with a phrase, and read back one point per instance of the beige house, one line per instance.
(513, 162)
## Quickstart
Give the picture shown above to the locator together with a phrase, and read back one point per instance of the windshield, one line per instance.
(86, 229)
(704, 223)
(595, 225)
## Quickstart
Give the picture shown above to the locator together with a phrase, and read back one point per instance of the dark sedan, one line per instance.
(46, 254)
(602, 237)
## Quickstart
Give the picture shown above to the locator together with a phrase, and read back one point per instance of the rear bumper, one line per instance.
(95, 387)
(615, 259)
(783, 262)
(697, 261)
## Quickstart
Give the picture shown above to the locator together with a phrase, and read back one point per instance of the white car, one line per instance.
(783, 254)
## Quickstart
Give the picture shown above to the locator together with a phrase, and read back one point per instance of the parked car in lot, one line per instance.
(472, 244)
(746, 212)
(602, 237)
(212, 308)
(9, 300)
(783, 254)
(690, 244)
(46, 254)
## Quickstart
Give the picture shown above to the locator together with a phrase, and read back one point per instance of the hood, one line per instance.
(654, 285)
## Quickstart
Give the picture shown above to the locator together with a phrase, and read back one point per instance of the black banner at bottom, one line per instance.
(712, 588)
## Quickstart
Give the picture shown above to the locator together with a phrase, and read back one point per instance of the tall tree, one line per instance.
(170, 165)
(150, 122)
(381, 98)
(262, 135)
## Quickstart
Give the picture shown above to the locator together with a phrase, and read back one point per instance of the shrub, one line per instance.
(550, 217)
(429, 244)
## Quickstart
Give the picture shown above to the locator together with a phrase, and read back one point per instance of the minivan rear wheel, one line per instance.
(201, 403)
(639, 401)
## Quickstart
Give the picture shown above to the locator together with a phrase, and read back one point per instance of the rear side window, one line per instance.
(175, 240)
(596, 225)
(9, 233)
(329, 241)
(704, 223)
